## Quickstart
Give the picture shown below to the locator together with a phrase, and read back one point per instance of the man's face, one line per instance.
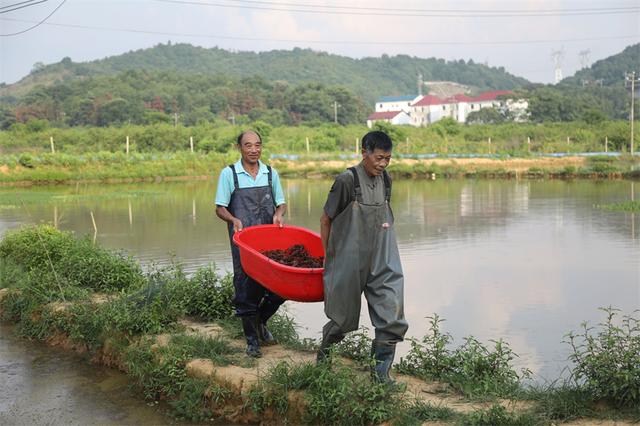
(376, 162)
(250, 148)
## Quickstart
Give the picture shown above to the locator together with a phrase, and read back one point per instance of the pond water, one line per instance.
(42, 385)
(526, 261)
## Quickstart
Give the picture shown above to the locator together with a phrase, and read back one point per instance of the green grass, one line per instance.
(475, 370)
(623, 206)
(40, 265)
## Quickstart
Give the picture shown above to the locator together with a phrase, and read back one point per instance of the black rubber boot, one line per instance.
(325, 347)
(251, 334)
(266, 311)
(383, 353)
(265, 336)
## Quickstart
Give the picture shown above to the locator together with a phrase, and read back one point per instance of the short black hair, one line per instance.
(241, 135)
(377, 140)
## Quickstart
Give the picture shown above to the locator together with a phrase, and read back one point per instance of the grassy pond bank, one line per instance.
(177, 339)
(29, 169)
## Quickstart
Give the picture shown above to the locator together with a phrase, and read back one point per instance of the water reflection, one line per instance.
(43, 385)
(523, 260)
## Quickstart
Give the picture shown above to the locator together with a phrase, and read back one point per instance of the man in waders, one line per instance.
(361, 255)
(249, 193)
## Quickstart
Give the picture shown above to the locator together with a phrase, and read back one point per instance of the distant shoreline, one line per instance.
(175, 169)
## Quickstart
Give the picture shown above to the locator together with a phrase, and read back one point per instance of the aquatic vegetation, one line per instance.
(296, 256)
(623, 206)
(472, 368)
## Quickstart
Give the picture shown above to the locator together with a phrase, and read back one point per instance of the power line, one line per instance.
(37, 24)
(330, 42)
(32, 3)
(404, 12)
(480, 11)
(16, 4)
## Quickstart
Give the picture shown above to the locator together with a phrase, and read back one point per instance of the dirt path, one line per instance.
(240, 379)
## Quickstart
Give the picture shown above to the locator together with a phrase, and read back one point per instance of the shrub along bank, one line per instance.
(63, 290)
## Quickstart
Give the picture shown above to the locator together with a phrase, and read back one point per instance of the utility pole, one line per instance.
(335, 111)
(175, 119)
(631, 80)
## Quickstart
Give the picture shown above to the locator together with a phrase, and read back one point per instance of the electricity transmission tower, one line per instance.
(584, 58)
(557, 56)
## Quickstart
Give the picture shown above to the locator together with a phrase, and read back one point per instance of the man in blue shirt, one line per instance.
(249, 193)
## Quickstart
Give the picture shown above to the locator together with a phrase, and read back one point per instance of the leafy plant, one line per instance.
(471, 368)
(209, 296)
(497, 415)
(606, 358)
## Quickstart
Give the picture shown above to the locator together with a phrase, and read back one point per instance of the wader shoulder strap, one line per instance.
(356, 184)
(270, 178)
(235, 177)
(387, 185)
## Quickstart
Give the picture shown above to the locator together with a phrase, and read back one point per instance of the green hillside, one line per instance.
(367, 78)
(609, 71)
(186, 84)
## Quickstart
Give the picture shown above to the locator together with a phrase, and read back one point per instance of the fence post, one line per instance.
(528, 143)
(95, 228)
(53, 148)
(191, 143)
(568, 140)
(127, 149)
(606, 144)
(307, 141)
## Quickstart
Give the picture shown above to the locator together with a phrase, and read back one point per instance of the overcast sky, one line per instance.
(487, 31)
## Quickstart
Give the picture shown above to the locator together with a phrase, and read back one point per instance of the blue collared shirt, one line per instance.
(245, 180)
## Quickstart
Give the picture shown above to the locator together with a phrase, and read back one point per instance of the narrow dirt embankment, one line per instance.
(470, 164)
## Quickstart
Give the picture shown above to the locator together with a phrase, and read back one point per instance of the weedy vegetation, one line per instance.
(60, 288)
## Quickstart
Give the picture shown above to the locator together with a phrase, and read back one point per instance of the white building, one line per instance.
(393, 117)
(427, 109)
(395, 103)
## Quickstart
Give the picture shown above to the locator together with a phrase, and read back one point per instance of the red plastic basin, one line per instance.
(299, 284)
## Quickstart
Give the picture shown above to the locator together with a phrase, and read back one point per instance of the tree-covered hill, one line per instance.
(192, 84)
(148, 97)
(608, 72)
(367, 78)
(592, 94)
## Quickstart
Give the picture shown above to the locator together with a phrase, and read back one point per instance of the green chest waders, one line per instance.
(362, 257)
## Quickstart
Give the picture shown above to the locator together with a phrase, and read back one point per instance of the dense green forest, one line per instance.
(367, 78)
(186, 85)
(145, 97)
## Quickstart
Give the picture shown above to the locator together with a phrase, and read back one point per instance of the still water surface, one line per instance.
(526, 261)
(41, 385)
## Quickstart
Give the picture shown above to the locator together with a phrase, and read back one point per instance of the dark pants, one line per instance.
(250, 297)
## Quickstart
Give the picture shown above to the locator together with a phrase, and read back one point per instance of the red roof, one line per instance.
(490, 96)
(383, 115)
(461, 98)
(429, 100)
